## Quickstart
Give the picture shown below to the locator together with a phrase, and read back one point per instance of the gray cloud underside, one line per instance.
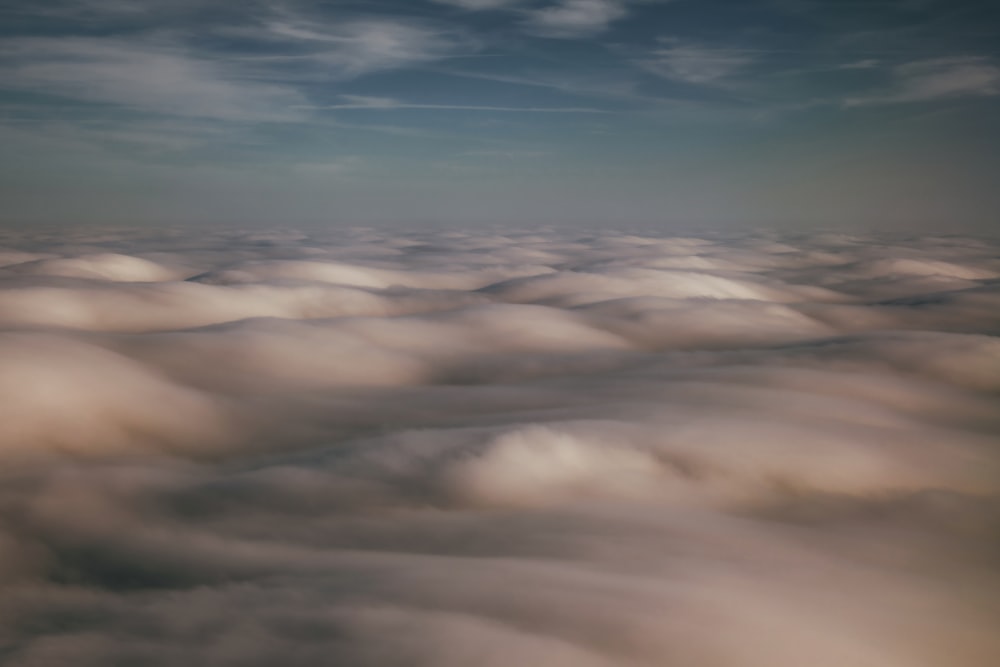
(370, 448)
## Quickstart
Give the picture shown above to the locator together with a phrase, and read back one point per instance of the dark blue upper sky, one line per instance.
(676, 112)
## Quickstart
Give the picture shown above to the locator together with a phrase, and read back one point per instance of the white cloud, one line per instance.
(940, 78)
(391, 104)
(621, 88)
(168, 79)
(366, 102)
(353, 48)
(693, 63)
(868, 63)
(144, 76)
(480, 5)
(96, 10)
(576, 18)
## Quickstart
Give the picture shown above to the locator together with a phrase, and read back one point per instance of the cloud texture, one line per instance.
(443, 448)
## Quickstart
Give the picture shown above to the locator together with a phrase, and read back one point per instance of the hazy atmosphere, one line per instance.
(861, 113)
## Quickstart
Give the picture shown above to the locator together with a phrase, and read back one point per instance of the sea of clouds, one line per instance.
(445, 448)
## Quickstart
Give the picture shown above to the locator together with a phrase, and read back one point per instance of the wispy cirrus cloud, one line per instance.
(99, 10)
(617, 86)
(151, 74)
(479, 5)
(695, 63)
(157, 78)
(392, 104)
(936, 79)
(867, 63)
(575, 18)
(146, 136)
(357, 47)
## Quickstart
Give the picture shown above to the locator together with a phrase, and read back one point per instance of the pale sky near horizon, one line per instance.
(678, 113)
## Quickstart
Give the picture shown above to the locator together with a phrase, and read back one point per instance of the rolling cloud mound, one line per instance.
(438, 449)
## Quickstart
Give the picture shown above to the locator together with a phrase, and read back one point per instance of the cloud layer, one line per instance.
(437, 448)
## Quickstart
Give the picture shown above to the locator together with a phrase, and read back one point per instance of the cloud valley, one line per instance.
(542, 447)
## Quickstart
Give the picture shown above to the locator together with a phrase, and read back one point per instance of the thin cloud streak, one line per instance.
(936, 79)
(572, 19)
(354, 48)
(621, 89)
(163, 79)
(389, 104)
(480, 5)
(694, 63)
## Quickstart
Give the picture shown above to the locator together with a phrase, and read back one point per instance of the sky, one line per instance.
(666, 113)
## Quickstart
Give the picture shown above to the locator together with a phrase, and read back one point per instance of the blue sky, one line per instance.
(677, 113)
